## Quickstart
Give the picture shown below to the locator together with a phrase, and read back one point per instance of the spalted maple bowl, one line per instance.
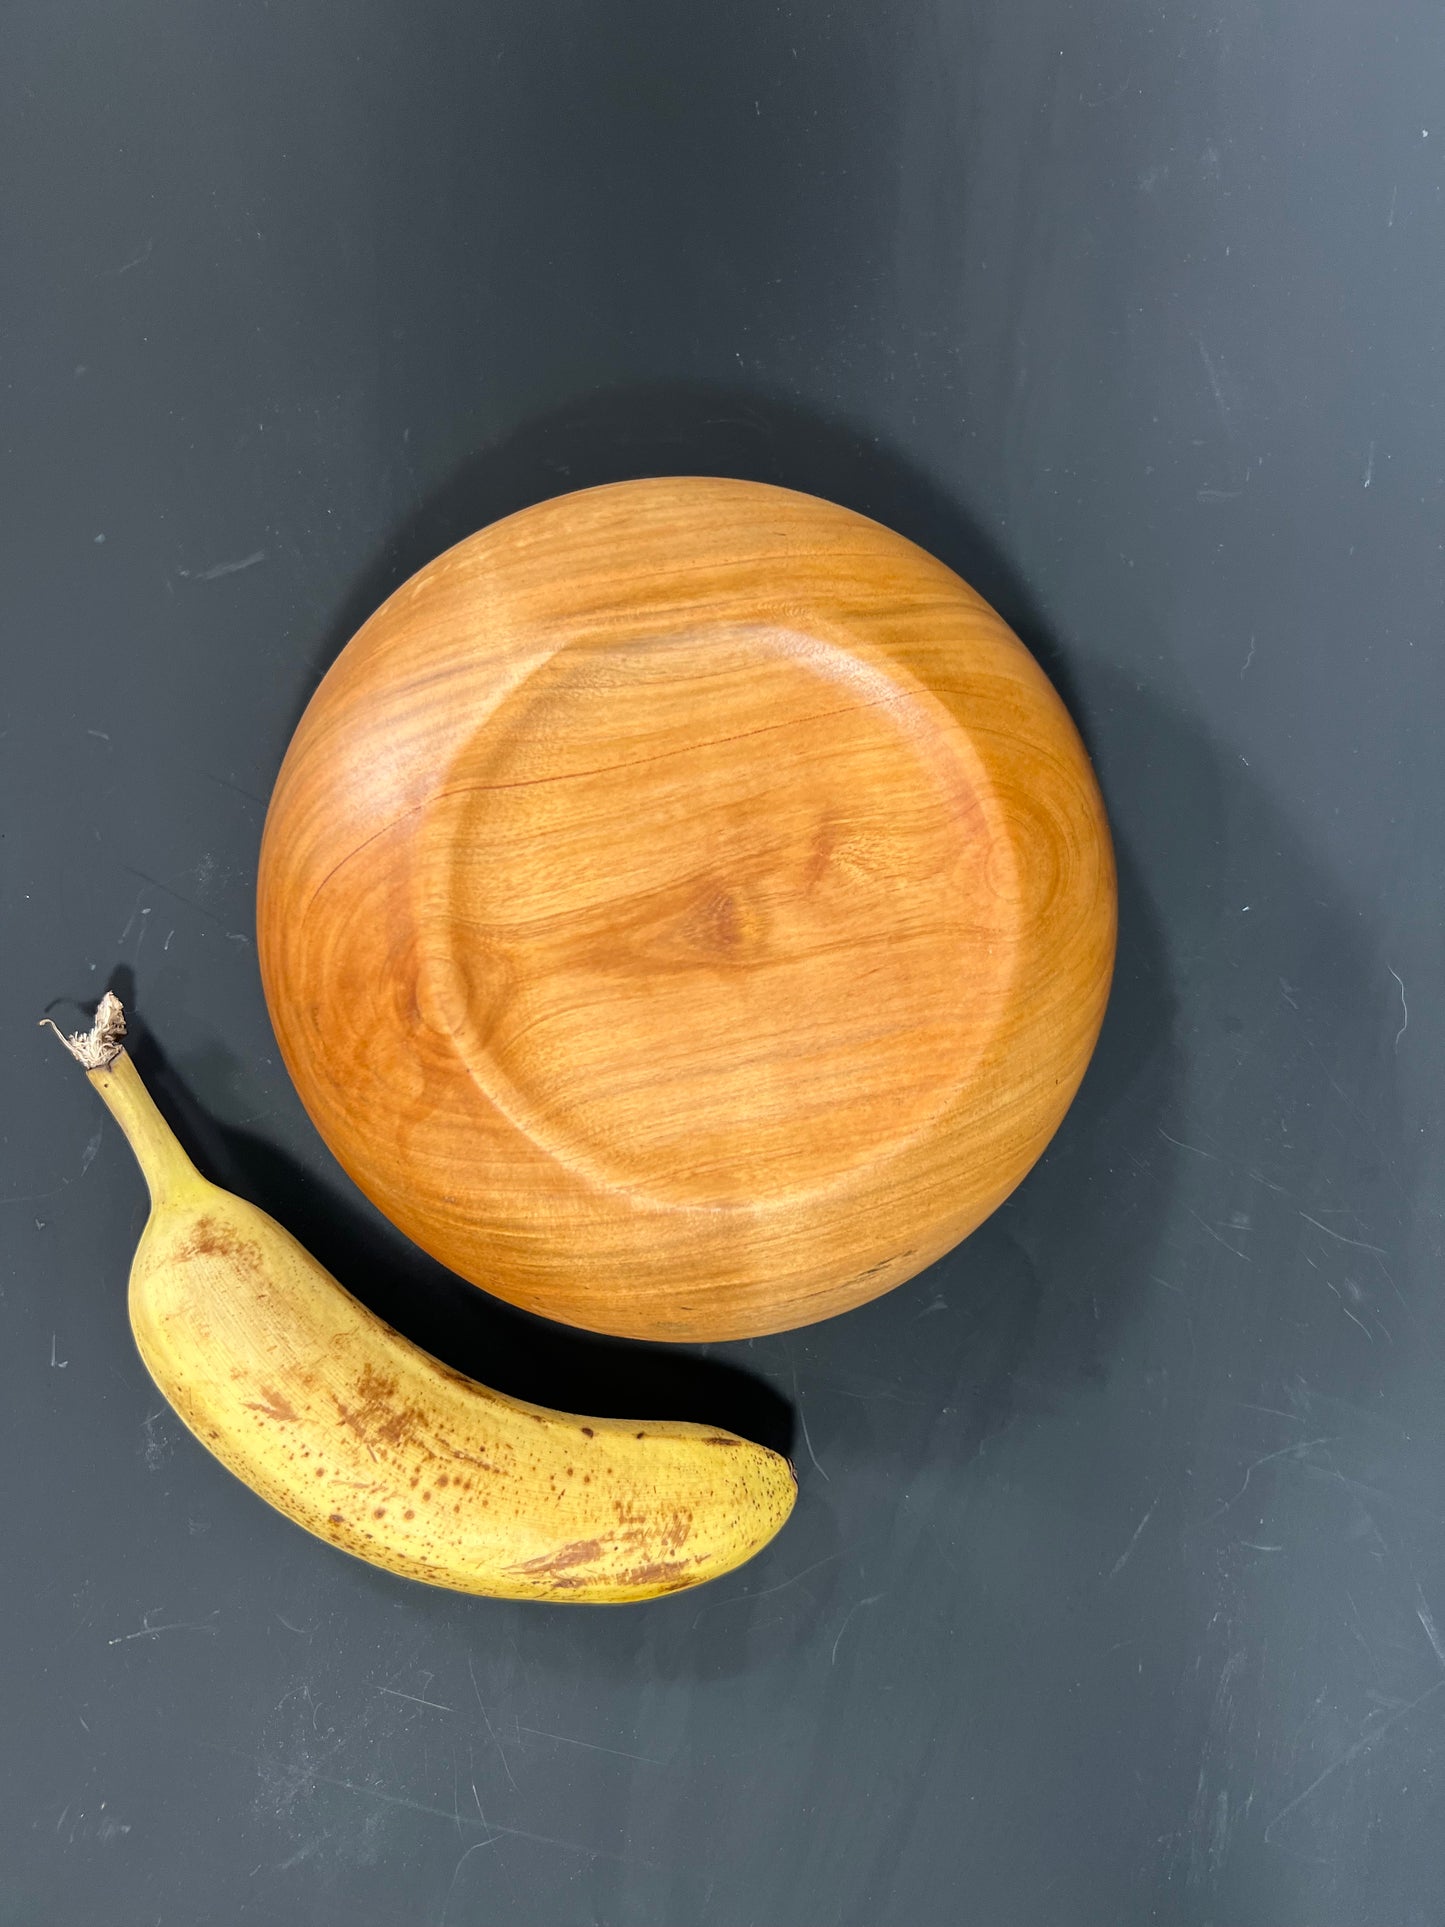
(686, 909)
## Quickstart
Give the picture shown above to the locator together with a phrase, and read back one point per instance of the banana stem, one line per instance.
(168, 1171)
(165, 1166)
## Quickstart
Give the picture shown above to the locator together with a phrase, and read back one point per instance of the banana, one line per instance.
(367, 1441)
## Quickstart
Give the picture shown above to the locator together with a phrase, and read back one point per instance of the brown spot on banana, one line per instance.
(273, 1405)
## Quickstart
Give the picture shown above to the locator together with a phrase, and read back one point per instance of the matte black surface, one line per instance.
(1116, 1591)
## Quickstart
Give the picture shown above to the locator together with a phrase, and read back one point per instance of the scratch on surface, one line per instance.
(591, 1746)
(224, 568)
(732, 1598)
(87, 1156)
(190, 902)
(1370, 466)
(1353, 1752)
(1404, 1007)
(1248, 659)
(1404, 1306)
(101, 735)
(783, 1584)
(417, 1700)
(1346, 1310)
(1362, 1491)
(1213, 1156)
(57, 1364)
(302, 1853)
(495, 1826)
(1298, 1450)
(223, 782)
(871, 1600)
(147, 1631)
(157, 1447)
(1138, 1533)
(1258, 1177)
(486, 1721)
(1358, 1243)
(134, 262)
(36, 1197)
(1233, 1250)
(1215, 383)
(476, 1847)
(803, 1422)
(1427, 1620)
(894, 1397)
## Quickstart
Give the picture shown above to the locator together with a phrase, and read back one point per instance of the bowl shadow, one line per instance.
(662, 428)
(1026, 1337)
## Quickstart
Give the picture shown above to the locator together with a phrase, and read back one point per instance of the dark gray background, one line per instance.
(1116, 1589)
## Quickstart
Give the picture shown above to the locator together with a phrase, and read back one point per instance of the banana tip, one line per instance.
(97, 1048)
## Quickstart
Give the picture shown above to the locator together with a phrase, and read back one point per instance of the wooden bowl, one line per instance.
(686, 909)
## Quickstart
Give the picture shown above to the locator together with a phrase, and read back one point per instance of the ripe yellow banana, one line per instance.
(353, 1432)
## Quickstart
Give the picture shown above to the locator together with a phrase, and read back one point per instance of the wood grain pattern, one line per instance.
(686, 909)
